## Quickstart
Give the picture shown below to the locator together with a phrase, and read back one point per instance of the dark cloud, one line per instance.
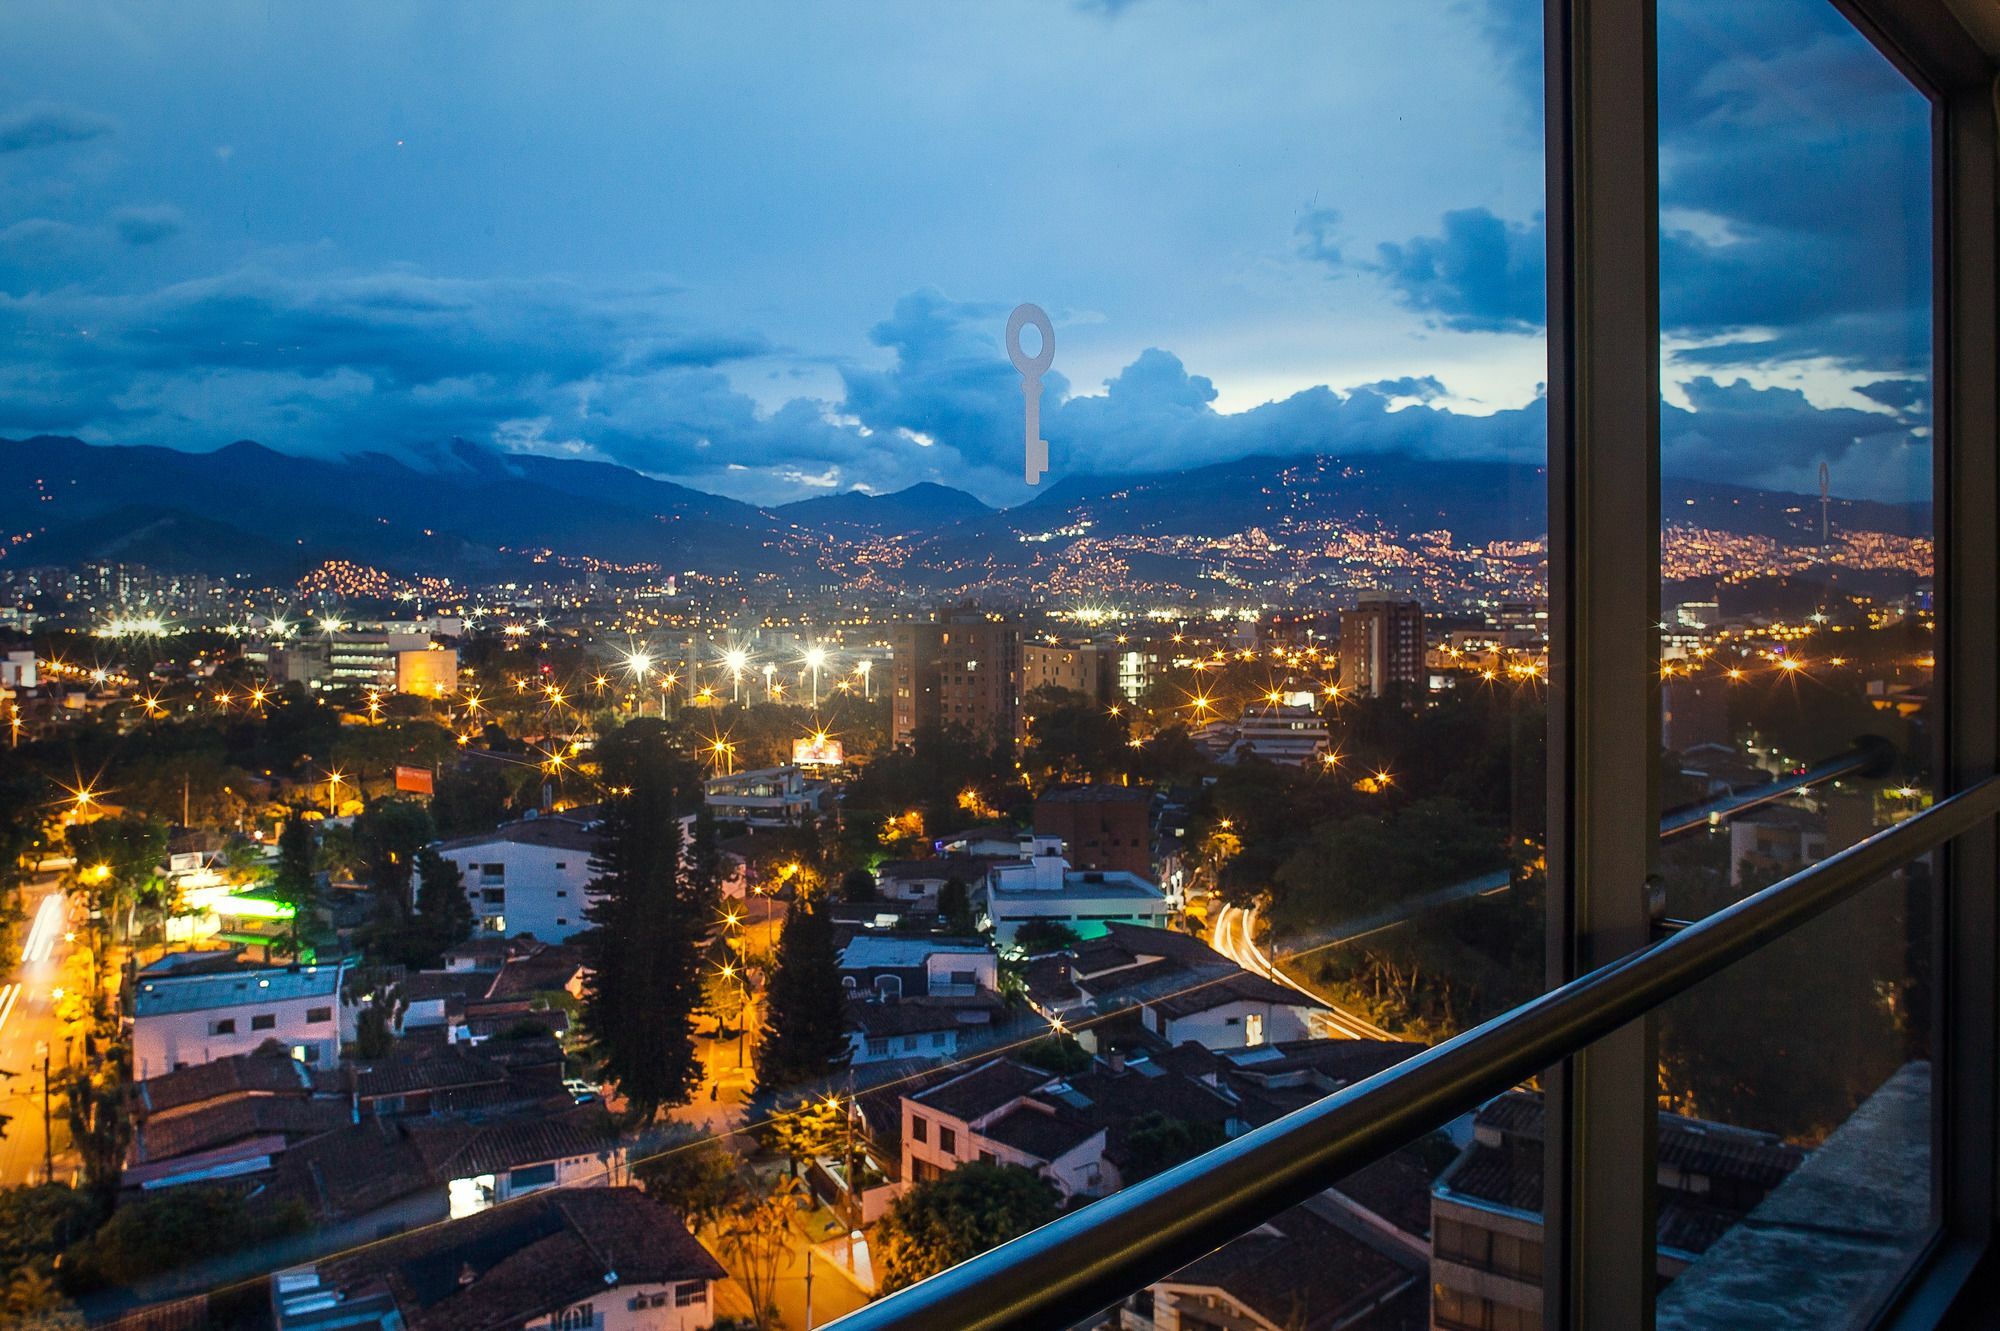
(398, 361)
(1422, 387)
(1776, 437)
(1482, 274)
(147, 225)
(43, 125)
(1902, 394)
(1794, 190)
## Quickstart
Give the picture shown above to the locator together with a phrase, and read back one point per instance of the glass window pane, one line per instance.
(1798, 634)
(1796, 655)
(1797, 1161)
(1062, 486)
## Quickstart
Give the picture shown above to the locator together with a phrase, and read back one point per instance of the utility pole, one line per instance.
(809, 1283)
(48, 1126)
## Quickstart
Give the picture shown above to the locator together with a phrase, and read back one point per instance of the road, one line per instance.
(1234, 937)
(28, 1029)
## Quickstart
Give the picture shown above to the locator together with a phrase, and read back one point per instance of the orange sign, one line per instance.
(416, 780)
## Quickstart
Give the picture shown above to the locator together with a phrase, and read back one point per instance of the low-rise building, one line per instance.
(769, 797)
(884, 1029)
(1086, 901)
(1486, 1208)
(531, 876)
(1072, 1129)
(1176, 988)
(182, 1020)
(607, 1259)
(904, 966)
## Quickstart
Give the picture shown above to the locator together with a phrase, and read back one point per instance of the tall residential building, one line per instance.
(1090, 669)
(1381, 645)
(913, 664)
(1101, 827)
(961, 669)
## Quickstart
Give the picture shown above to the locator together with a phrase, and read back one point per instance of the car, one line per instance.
(582, 1091)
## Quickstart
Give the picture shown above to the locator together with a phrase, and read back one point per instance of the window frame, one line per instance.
(1601, 141)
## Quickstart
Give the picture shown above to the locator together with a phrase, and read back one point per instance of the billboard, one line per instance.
(416, 780)
(818, 751)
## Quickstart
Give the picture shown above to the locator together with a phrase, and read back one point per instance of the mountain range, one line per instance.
(473, 513)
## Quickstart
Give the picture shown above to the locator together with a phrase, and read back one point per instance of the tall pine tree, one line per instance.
(297, 881)
(649, 916)
(805, 1026)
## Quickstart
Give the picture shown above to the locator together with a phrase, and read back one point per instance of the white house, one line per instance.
(528, 877)
(606, 1259)
(1085, 901)
(182, 1021)
(904, 966)
(988, 1115)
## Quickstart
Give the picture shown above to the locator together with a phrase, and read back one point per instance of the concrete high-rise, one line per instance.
(962, 669)
(1381, 645)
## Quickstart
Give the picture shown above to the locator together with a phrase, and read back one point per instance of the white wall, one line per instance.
(926, 1046)
(163, 1042)
(614, 1311)
(544, 888)
(1229, 1026)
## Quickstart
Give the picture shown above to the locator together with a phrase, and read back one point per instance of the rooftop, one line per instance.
(984, 1089)
(890, 951)
(558, 833)
(528, 1259)
(169, 994)
(240, 1074)
(1095, 794)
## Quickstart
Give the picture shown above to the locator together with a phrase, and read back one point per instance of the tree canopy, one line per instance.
(942, 1222)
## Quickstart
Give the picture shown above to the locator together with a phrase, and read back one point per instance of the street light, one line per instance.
(867, 689)
(639, 663)
(815, 658)
(736, 658)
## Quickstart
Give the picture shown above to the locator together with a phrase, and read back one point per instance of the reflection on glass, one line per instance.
(1816, 1055)
(1796, 523)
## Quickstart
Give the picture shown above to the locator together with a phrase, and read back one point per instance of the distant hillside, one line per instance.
(922, 507)
(472, 511)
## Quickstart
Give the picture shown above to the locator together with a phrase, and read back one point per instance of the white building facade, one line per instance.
(183, 1021)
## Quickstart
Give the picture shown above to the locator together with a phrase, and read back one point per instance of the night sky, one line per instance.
(769, 250)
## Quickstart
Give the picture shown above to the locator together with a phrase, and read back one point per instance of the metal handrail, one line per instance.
(1081, 1264)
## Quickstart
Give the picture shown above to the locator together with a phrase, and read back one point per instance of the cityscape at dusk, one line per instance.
(560, 773)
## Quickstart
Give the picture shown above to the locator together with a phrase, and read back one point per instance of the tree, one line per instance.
(1157, 1141)
(942, 1222)
(444, 912)
(858, 885)
(755, 1237)
(473, 799)
(25, 819)
(955, 906)
(1072, 737)
(297, 882)
(805, 1036)
(172, 1228)
(644, 951)
(696, 1175)
(116, 860)
(1040, 937)
(389, 834)
(30, 1301)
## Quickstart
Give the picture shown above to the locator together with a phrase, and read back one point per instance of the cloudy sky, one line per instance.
(769, 249)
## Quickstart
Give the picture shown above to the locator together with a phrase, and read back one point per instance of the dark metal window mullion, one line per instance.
(1604, 574)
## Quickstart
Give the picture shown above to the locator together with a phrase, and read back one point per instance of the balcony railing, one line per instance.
(1068, 1271)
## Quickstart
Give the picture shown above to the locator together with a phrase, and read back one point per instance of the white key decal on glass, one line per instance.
(1032, 368)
